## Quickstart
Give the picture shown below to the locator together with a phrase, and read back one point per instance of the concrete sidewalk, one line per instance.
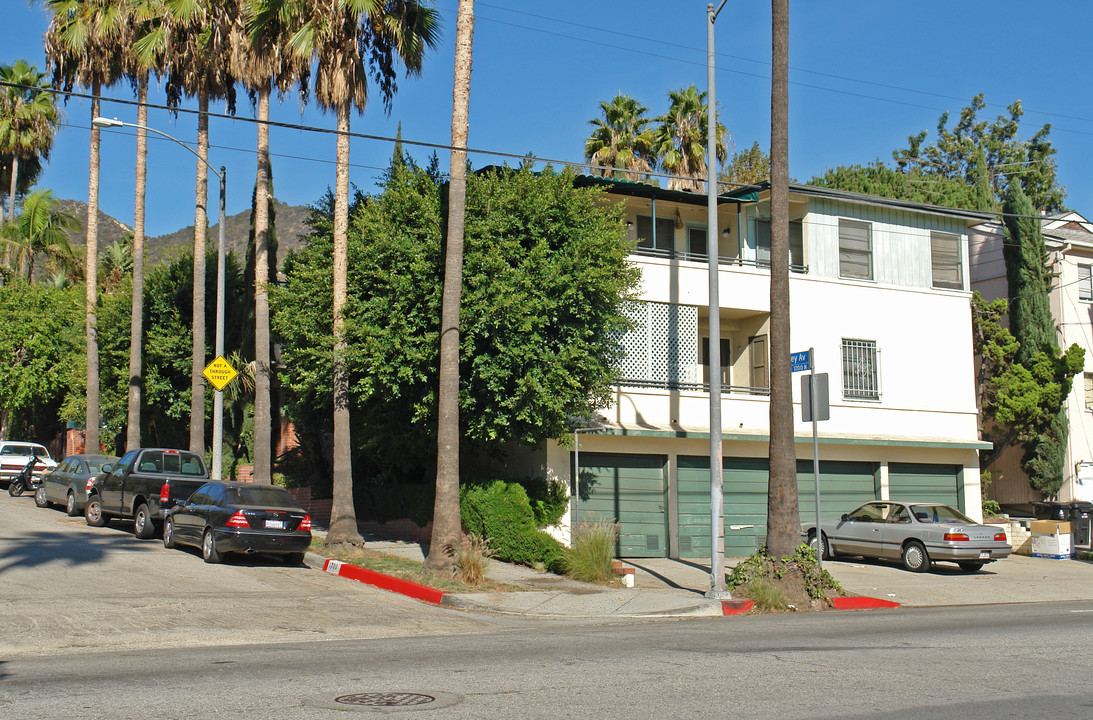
(675, 588)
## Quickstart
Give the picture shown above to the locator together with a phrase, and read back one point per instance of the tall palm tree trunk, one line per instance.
(14, 185)
(136, 317)
(783, 521)
(262, 423)
(447, 530)
(91, 275)
(343, 513)
(201, 226)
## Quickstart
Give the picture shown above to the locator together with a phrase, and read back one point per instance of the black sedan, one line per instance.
(230, 517)
(68, 483)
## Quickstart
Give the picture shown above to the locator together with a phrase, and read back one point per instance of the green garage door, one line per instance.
(631, 490)
(843, 487)
(925, 483)
(744, 488)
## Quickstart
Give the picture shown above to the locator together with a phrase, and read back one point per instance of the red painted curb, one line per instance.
(736, 607)
(861, 603)
(384, 582)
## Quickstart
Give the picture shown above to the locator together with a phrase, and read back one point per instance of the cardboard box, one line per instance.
(1056, 547)
(1051, 527)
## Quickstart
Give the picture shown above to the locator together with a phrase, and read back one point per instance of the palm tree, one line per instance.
(447, 531)
(41, 228)
(680, 139)
(147, 38)
(84, 44)
(28, 121)
(783, 521)
(350, 38)
(197, 58)
(620, 139)
(261, 59)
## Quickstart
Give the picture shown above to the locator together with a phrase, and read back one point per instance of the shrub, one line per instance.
(471, 558)
(767, 598)
(502, 515)
(589, 559)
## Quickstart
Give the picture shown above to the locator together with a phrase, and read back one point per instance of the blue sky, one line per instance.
(864, 75)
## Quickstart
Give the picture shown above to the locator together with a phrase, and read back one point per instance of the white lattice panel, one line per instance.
(662, 347)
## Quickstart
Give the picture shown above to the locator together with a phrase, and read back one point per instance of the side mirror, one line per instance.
(845, 517)
(107, 467)
(180, 503)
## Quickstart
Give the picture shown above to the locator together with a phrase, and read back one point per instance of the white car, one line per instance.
(14, 456)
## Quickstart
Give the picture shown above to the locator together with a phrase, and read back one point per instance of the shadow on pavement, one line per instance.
(43, 547)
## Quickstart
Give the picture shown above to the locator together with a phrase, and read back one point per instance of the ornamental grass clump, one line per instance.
(471, 558)
(593, 550)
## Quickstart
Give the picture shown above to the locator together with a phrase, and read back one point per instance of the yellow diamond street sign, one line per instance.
(219, 372)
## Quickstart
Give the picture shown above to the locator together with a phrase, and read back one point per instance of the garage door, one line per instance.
(844, 485)
(925, 483)
(631, 490)
(744, 488)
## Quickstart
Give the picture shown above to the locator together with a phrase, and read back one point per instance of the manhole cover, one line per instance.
(375, 699)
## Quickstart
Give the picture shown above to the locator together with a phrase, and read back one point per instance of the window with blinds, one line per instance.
(861, 380)
(1089, 391)
(945, 261)
(660, 242)
(796, 244)
(855, 250)
(1085, 283)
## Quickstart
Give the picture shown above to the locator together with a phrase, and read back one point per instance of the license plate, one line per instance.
(275, 524)
(985, 555)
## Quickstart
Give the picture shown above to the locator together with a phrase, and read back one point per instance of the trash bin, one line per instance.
(1081, 515)
(1051, 510)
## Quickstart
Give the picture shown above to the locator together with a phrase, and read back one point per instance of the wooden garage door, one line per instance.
(631, 490)
(924, 482)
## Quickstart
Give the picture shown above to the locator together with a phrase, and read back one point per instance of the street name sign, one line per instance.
(800, 361)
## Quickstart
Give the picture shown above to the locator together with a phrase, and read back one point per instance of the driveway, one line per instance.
(1017, 579)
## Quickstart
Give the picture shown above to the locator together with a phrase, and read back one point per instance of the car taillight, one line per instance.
(164, 493)
(238, 520)
(950, 537)
(90, 484)
(305, 524)
(1000, 537)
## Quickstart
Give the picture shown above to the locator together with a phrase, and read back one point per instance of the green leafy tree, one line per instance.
(746, 167)
(39, 341)
(913, 185)
(545, 276)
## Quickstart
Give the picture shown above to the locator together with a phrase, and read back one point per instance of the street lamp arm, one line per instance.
(114, 122)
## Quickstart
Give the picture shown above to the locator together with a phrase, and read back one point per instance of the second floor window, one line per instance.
(1085, 283)
(1089, 391)
(662, 242)
(796, 244)
(855, 250)
(696, 241)
(861, 380)
(945, 261)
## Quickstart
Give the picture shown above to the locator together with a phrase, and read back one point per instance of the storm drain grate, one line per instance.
(376, 699)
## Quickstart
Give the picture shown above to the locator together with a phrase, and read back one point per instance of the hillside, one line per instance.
(289, 225)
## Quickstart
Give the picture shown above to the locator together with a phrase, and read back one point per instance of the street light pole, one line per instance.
(717, 589)
(218, 397)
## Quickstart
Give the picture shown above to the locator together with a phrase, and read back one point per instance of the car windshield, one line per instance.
(265, 496)
(939, 514)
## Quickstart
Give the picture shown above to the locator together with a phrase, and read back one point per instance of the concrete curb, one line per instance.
(370, 577)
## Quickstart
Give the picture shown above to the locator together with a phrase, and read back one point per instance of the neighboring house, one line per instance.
(1069, 241)
(879, 287)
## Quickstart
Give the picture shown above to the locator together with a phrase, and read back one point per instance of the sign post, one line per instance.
(814, 407)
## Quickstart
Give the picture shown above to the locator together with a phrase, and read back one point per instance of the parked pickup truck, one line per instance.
(143, 485)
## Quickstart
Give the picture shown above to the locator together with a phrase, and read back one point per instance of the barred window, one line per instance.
(1085, 283)
(945, 261)
(860, 376)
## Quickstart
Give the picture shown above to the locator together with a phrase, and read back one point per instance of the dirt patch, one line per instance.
(791, 584)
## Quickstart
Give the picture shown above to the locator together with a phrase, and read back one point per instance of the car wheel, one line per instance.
(143, 527)
(93, 512)
(824, 550)
(40, 497)
(971, 566)
(169, 532)
(915, 557)
(294, 559)
(208, 548)
(70, 505)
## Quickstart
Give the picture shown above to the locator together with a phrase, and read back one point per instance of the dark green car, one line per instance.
(67, 483)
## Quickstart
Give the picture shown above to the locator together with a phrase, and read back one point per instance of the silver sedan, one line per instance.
(917, 534)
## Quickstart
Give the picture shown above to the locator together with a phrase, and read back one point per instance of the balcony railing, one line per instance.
(721, 260)
(694, 387)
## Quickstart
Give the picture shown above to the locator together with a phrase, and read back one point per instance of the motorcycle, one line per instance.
(25, 480)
